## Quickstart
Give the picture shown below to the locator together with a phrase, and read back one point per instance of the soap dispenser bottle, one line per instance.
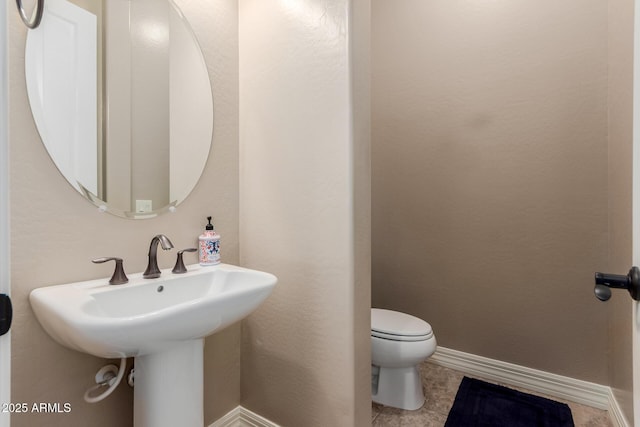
(209, 245)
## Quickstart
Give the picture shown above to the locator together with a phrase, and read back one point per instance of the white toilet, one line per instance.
(399, 342)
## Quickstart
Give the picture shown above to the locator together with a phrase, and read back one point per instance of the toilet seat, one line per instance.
(397, 326)
(392, 337)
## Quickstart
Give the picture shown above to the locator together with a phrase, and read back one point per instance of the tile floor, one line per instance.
(440, 394)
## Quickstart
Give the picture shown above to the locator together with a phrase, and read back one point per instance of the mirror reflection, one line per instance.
(121, 98)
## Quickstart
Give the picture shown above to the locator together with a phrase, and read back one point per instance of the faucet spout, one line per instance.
(152, 270)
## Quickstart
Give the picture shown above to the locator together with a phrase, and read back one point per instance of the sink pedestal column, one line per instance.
(168, 388)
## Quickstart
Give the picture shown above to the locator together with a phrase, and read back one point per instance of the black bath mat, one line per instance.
(480, 404)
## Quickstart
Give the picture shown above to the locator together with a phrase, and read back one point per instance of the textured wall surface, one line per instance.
(360, 45)
(55, 233)
(305, 351)
(489, 184)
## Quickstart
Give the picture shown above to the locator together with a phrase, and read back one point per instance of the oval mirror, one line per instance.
(120, 94)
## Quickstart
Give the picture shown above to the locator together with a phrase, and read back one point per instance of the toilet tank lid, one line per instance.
(397, 323)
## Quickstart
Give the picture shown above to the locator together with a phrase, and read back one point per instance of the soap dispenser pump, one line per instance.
(209, 245)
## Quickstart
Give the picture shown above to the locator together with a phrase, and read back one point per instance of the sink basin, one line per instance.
(148, 316)
(161, 322)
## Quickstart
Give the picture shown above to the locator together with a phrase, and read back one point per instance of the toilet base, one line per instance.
(399, 388)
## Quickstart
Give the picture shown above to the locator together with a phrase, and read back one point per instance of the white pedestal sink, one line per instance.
(161, 322)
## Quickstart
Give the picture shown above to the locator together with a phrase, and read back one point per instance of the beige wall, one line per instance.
(306, 350)
(55, 234)
(490, 209)
(360, 45)
(621, 13)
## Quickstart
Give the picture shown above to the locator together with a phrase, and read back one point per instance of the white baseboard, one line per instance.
(558, 386)
(615, 412)
(241, 417)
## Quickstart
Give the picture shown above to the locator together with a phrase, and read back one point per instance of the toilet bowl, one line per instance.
(399, 343)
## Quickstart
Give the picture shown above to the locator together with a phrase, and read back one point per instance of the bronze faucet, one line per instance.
(152, 270)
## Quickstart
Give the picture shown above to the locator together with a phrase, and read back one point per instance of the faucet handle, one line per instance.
(179, 268)
(119, 277)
